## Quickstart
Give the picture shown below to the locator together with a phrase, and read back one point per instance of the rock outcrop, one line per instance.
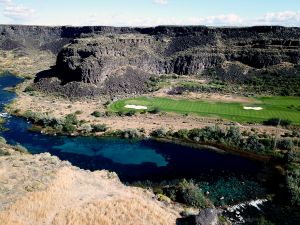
(179, 50)
(116, 60)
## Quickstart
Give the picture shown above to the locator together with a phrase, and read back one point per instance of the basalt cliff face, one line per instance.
(117, 60)
(179, 50)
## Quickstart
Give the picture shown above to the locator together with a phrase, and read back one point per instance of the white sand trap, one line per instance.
(135, 107)
(253, 108)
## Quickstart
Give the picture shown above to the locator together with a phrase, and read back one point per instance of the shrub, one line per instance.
(29, 114)
(155, 110)
(253, 144)
(191, 194)
(207, 134)
(277, 122)
(106, 104)
(130, 113)
(20, 148)
(233, 136)
(99, 127)
(71, 119)
(109, 113)
(69, 128)
(161, 132)
(16, 111)
(2, 120)
(293, 185)
(285, 144)
(86, 128)
(182, 133)
(131, 134)
(29, 89)
(97, 114)
(2, 140)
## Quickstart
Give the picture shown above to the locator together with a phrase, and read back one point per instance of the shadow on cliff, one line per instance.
(45, 74)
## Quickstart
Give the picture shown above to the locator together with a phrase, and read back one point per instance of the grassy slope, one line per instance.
(279, 107)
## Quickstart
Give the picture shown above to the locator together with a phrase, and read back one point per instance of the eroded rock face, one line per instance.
(179, 50)
(120, 60)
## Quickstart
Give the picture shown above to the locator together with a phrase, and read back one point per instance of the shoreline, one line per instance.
(217, 147)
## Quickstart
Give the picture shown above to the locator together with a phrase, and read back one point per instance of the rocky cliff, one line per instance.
(187, 51)
(122, 59)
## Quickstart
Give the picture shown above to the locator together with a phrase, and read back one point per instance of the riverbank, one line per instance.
(65, 191)
(48, 114)
(221, 148)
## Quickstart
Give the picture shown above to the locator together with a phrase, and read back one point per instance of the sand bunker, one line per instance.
(253, 108)
(135, 107)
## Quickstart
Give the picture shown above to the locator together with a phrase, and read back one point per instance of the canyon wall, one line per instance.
(107, 57)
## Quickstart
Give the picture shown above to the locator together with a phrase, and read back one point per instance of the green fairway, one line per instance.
(273, 107)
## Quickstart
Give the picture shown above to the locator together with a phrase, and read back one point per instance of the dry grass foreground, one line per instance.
(67, 195)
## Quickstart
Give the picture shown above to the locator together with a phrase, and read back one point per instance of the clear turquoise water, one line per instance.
(132, 160)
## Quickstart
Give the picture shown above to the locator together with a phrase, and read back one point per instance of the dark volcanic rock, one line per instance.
(207, 217)
(179, 50)
(120, 59)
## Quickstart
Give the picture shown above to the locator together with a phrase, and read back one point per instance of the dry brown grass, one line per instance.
(78, 197)
(27, 65)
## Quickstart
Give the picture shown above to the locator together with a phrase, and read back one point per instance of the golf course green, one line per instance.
(266, 108)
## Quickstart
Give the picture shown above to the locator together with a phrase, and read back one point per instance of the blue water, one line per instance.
(132, 160)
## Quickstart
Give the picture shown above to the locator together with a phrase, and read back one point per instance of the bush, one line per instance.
(99, 127)
(285, 144)
(69, 128)
(2, 140)
(207, 134)
(182, 133)
(253, 144)
(71, 119)
(155, 110)
(20, 148)
(277, 122)
(86, 128)
(29, 114)
(97, 114)
(78, 112)
(293, 185)
(130, 113)
(131, 134)
(190, 194)
(106, 104)
(120, 113)
(29, 89)
(161, 132)
(233, 136)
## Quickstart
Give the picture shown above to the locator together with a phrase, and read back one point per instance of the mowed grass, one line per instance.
(273, 107)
